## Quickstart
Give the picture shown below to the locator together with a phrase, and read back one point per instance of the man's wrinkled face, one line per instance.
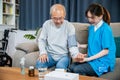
(58, 17)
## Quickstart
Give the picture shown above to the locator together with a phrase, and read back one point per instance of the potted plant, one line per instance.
(31, 36)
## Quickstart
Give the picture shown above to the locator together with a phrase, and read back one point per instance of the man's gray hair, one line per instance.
(54, 6)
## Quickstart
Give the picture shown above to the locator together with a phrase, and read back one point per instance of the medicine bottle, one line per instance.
(31, 71)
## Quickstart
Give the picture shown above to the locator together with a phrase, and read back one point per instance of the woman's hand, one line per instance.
(80, 57)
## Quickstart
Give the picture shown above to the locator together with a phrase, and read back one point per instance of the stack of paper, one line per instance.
(60, 75)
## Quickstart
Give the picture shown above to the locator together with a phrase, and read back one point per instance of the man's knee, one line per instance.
(40, 64)
(62, 65)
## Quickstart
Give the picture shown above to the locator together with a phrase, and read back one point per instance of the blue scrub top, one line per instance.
(98, 40)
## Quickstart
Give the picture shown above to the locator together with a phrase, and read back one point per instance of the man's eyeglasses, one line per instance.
(58, 18)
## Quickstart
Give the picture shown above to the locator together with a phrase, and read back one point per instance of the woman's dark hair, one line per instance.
(98, 10)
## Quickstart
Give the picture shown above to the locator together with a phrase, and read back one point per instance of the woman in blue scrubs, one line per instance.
(101, 45)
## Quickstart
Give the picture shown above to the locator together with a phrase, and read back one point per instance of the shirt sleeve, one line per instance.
(72, 42)
(107, 38)
(42, 40)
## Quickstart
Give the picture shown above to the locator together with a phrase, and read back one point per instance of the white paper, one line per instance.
(59, 75)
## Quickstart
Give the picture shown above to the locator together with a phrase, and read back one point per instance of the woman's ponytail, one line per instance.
(106, 16)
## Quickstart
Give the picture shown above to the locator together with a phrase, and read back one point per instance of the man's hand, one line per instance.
(43, 58)
(80, 57)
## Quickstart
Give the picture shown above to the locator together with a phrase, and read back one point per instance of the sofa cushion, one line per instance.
(115, 74)
(17, 57)
(117, 42)
(27, 47)
(115, 29)
(81, 30)
(31, 58)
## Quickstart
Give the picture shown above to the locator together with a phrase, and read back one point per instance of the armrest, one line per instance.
(27, 47)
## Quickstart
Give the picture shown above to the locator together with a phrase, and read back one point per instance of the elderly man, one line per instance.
(56, 40)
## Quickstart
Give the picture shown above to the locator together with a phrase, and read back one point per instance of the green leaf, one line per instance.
(29, 36)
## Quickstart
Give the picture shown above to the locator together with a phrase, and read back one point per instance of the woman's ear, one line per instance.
(101, 17)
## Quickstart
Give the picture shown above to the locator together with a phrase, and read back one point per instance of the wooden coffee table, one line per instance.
(13, 73)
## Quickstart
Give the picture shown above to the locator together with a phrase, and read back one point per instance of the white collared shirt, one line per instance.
(98, 25)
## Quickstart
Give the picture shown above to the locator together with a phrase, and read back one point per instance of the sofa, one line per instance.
(30, 50)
